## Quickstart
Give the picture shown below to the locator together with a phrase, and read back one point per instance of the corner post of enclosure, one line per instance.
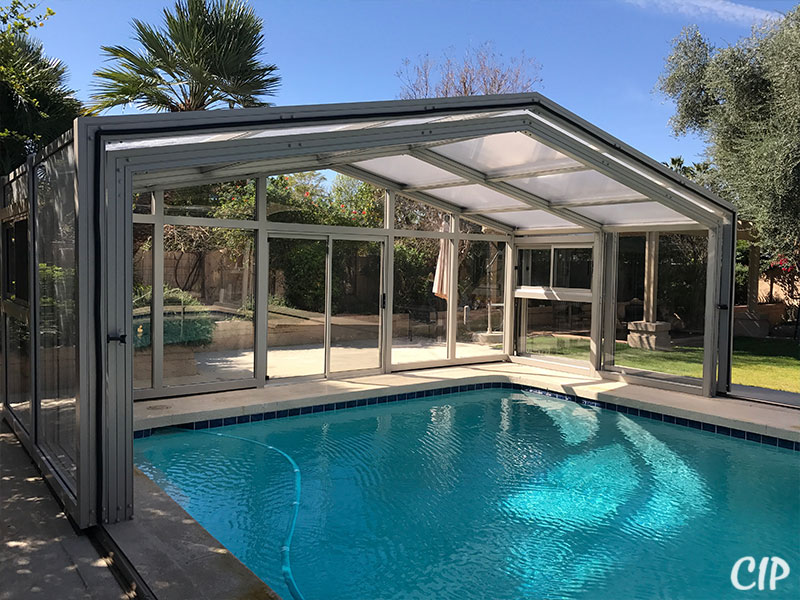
(508, 298)
(388, 278)
(609, 298)
(452, 288)
(598, 295)
(726, 291)
(712, 321)
(261, 301)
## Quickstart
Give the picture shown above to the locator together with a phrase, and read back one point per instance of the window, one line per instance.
(555, 266)
(534, 267)
(573, 268)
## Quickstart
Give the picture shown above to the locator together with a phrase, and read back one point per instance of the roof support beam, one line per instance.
(477, 177)
(554, 169)
(391, 185)
(601, 201)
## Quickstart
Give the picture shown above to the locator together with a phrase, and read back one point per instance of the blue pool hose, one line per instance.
(286, 567)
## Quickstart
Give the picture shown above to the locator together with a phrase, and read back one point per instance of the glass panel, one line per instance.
(557, 328)
(309, 198)
(355, 305)
(18, 369)
(533, 267)
(672, 343)
(573, 267)
(143, 203)
(16, 285)
(630, 282)
(229, 200)
(209, 281)
(142, 305)
(418, 216)
(766, 322)
(296, 322)
(57, 358)
(419, 323)
(480, 298)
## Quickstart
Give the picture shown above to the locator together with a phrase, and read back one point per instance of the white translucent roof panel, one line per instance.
(531, 219)
(267, 131)
(475, 197)
(632, 213)
(581, 185)
(408, 171)
(505, 153)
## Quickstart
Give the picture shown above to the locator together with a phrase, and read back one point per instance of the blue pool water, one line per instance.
(493, 494)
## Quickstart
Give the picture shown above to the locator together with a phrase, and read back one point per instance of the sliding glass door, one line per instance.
(324, 306)
(356, 298)
(296, 307)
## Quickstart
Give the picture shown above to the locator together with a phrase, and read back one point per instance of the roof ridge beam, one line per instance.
(480, 178)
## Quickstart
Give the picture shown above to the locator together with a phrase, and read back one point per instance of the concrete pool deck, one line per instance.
(757, 418)
(42, 555)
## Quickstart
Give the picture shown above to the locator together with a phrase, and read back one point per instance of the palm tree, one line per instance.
(207, 54)
(36, 106)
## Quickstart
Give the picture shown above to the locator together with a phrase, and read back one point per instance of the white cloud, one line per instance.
(720, 10)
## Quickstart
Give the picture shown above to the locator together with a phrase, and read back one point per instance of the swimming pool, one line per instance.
(493, 493)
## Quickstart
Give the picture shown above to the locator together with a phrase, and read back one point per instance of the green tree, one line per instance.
(36, 106)
(744, 99)
(206, 55)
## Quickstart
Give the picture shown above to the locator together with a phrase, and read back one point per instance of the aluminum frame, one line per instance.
(107, 177)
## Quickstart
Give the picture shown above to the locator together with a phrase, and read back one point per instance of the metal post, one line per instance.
(328, 304)
(711, 323)
(598, 291)
(611, 266)
(508, 299)
(388, 278)
(726, 290)
(261, 300)
(452, 290)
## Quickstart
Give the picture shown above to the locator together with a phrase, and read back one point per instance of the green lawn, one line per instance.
(769, 363)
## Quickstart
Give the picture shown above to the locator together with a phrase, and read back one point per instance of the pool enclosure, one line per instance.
(159, 255)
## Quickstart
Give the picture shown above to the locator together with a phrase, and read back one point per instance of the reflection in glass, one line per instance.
(57, 357)
(534, 267)
(18, 373)
(480, 298)
(228, 200)
(142, 305)
(556, 328)
(209, 283)
(296, 322)
(573, 268)
(355, 305)
(672, 343)
(419, 322)
(309, 198)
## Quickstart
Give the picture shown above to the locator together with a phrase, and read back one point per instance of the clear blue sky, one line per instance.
(599, 58)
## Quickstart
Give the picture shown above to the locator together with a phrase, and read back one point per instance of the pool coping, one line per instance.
(781, 434)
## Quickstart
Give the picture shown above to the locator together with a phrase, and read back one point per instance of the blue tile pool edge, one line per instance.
(443, 391)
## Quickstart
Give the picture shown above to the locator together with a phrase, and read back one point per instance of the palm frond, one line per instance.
(206, 54)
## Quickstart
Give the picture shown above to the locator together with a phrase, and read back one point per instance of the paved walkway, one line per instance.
(41, 556)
